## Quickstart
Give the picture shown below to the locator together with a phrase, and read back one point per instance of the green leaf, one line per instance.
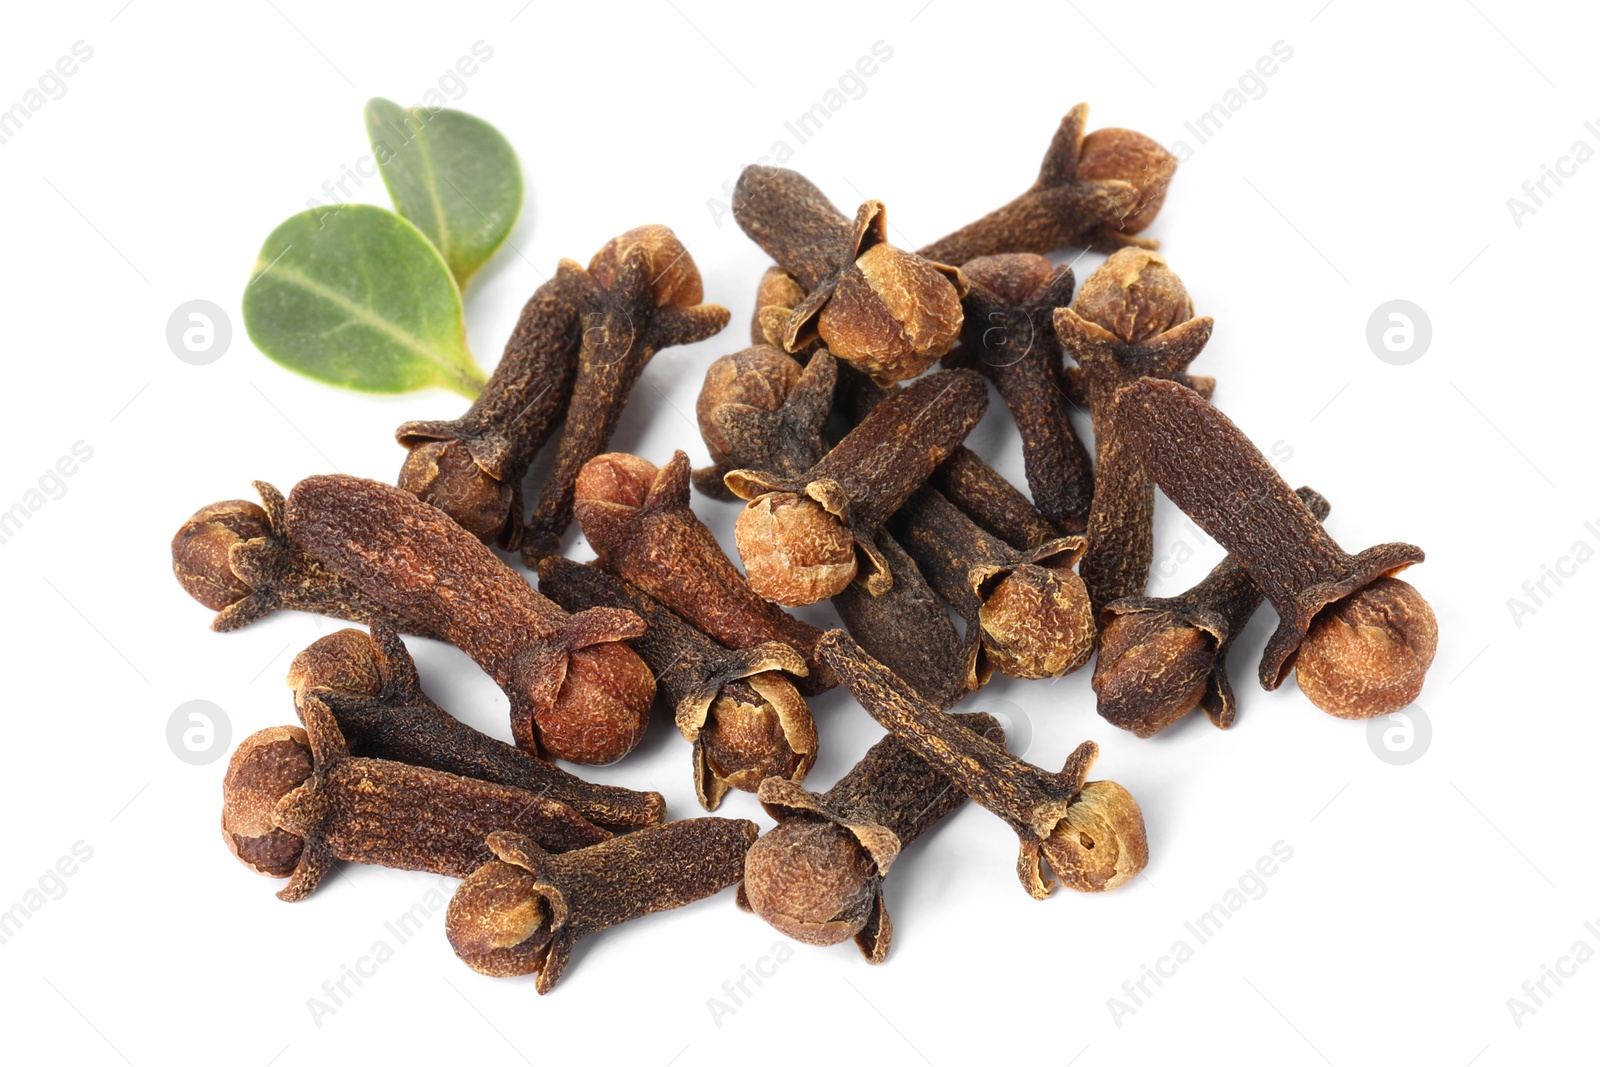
(452, 174)
(357, 297)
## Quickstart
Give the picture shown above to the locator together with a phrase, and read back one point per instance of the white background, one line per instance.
(1376, 165)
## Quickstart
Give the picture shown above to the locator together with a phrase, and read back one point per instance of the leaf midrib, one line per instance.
(366, 316)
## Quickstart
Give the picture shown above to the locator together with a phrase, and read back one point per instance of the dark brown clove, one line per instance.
(472, 467)
(1359, 640)
(1161, 657)
(818, 875)
(1096, 191)
(637, 519)
(1008, 336)
(238, 560)
(1091, 833)
(891, 312)
(523, 912)
(1027, 613)
(759, 408)
(800, 536)
(745, 718)
(643, 294)
(294, 801)
(1133, 318)
(370, 684)
(576, 691)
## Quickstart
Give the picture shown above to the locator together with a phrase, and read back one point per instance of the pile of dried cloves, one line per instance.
(847, 447)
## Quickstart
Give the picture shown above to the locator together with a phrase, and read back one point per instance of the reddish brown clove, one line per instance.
(637, 519)
(745, 718)
(576, 691)
(1027, 613)
(1010, 339)
(643, 294)
(1161, 657)
(370, 685)
(523, 912)
(1359, 640)
(891, 312)
(294, 801)
(1133, 318)
(238, 560)
(1091, 833)
(472, 467)
(758, 407)
(818, 875)
(1095, 191)
(800, 536)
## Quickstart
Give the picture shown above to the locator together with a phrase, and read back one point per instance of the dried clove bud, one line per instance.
(1359, 640)
(800, 536)
(294, 801)
(638, 521)
(576, 691)
(818, 875)
(970, 483)
(523, 912)
(1008, 337)
(370, 685)
(745, 719)
(238, 560)
(1027, 613)
(891, 312)
(1091, 833)
(1132, 319)
(758, 407)
(641, 294)
(1161, 657)
(1095, 191)
(472, 468)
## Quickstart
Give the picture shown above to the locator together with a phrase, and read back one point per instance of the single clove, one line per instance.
(1027, 613)
(523, 912)
(370, 684)
(1161, 657)
(637, 519)
(890, 312)
(744, 717)
(1096, 191)
(1359, 640)
(1091, 833)
(576, 691)
(641, 294)
(237, 559)
(294, 801)
(818, 875)
(906, 626)
(800, 536)
(472, 467)
(1008, 336)
(1132, 319)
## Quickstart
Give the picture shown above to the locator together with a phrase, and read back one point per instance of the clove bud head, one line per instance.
(602, 708)
(201, 546)
(1100, 842)
(267, 765)
(1037, 622)
(760, 377)
(747, 734)
(444, 474)
(498, 922)
(1134, 295)
(893, 314)
(1015, 277)
(1126, 155)
(794, 551)
(675, 280)
(345, 661)
(811, 880)
(1152, 671)
(1367, 655)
